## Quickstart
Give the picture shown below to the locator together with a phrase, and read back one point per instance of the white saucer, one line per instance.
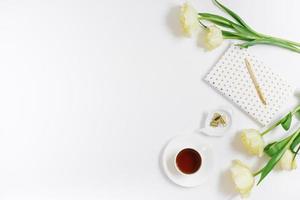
(178, 143)
(217, 131)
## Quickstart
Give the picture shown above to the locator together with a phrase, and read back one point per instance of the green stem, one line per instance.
(296, 153)
(279, 39)
(292, 137)
(235, 35)
(269, 42)
(296, 110)
(258, 172)
(283, 43)
(202, 24)
(271, 128)
(287, 138)
(279, 122)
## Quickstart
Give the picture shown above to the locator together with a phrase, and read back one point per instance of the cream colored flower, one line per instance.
(242, 178)
(189, 20)
(286, 162)
(253, 141)
(212, 37)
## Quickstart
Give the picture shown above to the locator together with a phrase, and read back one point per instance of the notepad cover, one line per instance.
(231, 78)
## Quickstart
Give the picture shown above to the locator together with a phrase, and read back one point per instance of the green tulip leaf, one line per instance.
(244, 31)
(296, 153)
(286, 122)
(233, 35)
(275, 147)
(295, 142)
(297, 114)
(219, 20)
(234, 15)
(271, 164)
(277, 156)
(271, 149)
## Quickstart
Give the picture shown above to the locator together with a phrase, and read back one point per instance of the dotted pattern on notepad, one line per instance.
(231, 78)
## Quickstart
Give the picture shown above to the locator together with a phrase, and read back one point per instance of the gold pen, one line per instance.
(255, 82)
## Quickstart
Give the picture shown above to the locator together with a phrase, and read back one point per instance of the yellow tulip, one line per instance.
(287, 161)
(253, 141)
(213, 37)
(189, 20)
(242, 178)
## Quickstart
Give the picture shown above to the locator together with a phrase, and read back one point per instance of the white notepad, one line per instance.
(231, 78)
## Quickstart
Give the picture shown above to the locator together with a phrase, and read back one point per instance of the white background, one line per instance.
(91, 91)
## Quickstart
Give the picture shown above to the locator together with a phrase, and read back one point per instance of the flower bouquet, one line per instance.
(282, 153)
(223, 28)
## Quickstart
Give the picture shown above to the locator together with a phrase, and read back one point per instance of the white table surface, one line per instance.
(91, 91)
